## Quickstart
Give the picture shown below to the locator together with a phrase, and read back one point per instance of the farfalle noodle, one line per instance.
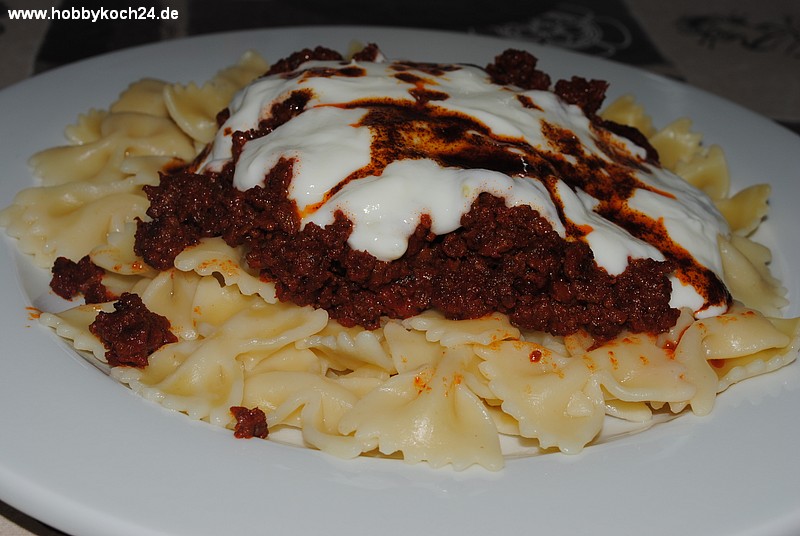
(428, 414)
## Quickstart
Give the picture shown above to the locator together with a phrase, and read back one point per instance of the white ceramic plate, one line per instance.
(84, 454)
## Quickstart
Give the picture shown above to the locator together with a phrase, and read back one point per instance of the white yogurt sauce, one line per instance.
(327, 145)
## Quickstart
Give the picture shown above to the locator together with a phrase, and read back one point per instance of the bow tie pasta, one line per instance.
(427, 385)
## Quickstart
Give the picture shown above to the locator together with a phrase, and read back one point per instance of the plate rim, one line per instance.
(32, 497)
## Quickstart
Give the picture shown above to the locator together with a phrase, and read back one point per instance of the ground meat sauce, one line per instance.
(506, 259)
(71, 279)
(132, 332)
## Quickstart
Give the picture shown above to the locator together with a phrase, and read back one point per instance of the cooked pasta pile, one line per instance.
(431, 389)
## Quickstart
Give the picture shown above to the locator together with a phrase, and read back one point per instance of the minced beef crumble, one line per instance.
(249, 423)
(71, 279)
(131, 332)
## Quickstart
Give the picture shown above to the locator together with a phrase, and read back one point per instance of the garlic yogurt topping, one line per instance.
(386, 142)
